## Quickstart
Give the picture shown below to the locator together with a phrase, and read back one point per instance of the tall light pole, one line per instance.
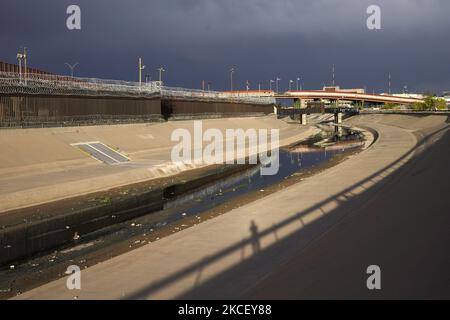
(259, 86)
(25, 63)
(278, 79)
(298, 84)
(290, 84)
(333, 75)
(247, 85)
(161, 70)
(140, 67)
(270, 84)
(71, 67)
(231, 78)
(389, 83)
(20, 57)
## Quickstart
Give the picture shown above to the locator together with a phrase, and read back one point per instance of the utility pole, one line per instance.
(71, 67)
(231, 78)
(161, 70)
(140, 68)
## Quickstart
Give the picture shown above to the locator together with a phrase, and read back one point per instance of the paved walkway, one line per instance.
(227, 256)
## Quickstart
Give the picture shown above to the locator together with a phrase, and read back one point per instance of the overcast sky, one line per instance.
(199, 40)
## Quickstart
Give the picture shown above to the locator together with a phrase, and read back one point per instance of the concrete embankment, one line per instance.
(251, 242)
(48, 203)
(41, 165)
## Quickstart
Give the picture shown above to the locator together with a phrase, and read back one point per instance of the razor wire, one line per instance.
(48, 84)
(194, 94)
(42, 84)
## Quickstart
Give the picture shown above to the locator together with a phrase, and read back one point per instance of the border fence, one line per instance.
(42, 99)
(13, 83)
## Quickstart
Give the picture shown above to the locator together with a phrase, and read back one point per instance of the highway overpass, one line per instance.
(331, 95)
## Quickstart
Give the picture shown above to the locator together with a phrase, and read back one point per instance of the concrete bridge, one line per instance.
(337, 95)
(346, 96)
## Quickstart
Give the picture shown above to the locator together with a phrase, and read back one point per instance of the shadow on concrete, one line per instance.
(233, 282)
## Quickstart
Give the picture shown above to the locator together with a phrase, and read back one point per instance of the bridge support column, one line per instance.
(338, 117)
(303, 118)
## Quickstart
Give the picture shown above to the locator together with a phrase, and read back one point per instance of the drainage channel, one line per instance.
(180, 210)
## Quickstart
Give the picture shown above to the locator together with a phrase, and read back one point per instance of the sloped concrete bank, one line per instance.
(39, 219)
(37, 229)
(291, 218)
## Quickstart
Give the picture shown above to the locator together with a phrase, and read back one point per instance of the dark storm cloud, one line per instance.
(200, 39)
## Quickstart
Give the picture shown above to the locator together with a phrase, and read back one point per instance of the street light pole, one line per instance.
(71, 67)
(278, 79)
(161, 70)
(231, 78)
(141, 67)
(270, 84)
(290, 84)
(333, 76)
(389, 83)
(20, 57)
(25, 64)
(247, 85)
(298, 87)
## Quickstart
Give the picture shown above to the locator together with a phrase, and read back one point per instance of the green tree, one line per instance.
(441, 104)
(389, 106)
(430, 103)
